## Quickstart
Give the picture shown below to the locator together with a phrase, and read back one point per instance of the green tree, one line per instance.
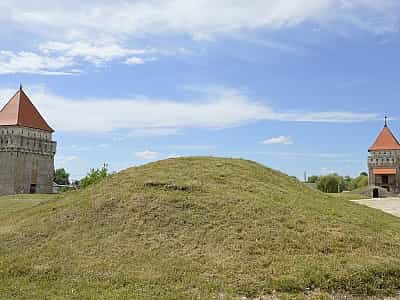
(312, 179)
(347, 181)
(61, 177)
(359, 182)
(364, 174)
(331, 183)
(95, 175)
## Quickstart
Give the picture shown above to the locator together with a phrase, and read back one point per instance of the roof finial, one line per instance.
(386, 121)
(20, 86)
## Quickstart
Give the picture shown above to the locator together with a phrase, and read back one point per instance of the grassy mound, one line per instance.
(193, 228)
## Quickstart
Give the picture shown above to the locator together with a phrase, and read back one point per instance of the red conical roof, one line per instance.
(385, 141)
(19, 111)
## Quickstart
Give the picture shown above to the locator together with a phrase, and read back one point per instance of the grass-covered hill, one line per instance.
(193, 228)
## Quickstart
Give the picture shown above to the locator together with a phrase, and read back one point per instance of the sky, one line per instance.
(296, 85)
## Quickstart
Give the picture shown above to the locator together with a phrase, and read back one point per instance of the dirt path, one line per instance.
(389, 205)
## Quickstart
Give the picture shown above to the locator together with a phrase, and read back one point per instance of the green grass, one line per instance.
(194, 228)
(12, 204)
(352, 195)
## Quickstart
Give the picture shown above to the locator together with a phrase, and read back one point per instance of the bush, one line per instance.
(313, 179)
(94, 176)
(359, 182)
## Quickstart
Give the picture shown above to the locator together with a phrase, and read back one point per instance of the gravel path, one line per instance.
(389, 205)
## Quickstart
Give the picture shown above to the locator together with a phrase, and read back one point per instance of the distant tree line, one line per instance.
(334, 183)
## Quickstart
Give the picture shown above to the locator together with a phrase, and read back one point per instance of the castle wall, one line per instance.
(7, 178)
(33, 169)
(26, 160)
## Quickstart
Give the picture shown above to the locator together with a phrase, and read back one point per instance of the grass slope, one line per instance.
(193, 228)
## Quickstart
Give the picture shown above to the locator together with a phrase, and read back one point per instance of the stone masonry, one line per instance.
(26, 149)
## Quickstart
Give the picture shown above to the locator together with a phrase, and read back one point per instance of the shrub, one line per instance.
(359, 182)
(94, 176)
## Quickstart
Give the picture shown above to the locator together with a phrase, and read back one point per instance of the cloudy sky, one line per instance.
(298, 85)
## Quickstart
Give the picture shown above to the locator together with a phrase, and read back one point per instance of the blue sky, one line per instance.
(297, 85)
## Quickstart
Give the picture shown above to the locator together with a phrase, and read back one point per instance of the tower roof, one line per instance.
(20, 111)
(385, 141)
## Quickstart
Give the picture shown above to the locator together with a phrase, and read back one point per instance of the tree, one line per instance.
(95, 175)
(61, 177)
(331, 183)
(364, 174)
(313, 179)
(347, 182)
(359, 182)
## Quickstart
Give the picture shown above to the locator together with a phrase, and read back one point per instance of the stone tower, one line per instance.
(26, 148)
(384, 162)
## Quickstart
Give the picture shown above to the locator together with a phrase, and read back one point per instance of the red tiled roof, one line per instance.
(385, 141)
(19, 111)
(390, 171)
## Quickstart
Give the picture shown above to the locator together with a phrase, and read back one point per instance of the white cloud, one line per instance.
(209, 108)
(70, 32)
(99, 20)
(173, 156)
(147, 155)
(96, 53)
(32, 63)
(56, 58)
(283, 140)
(135, 61)
(63, 160)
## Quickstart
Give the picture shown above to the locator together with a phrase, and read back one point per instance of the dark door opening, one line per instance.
(32, 189)
(375, 193)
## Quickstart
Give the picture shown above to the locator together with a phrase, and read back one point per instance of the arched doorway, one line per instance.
(375, 193)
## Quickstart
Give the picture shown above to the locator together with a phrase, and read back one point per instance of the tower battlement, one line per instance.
(34, 142)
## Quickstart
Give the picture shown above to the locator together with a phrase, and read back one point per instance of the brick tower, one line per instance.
(26, 148)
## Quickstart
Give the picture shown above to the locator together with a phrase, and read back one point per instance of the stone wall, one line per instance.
(7, 173)
(385, 159)
(26, 160)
